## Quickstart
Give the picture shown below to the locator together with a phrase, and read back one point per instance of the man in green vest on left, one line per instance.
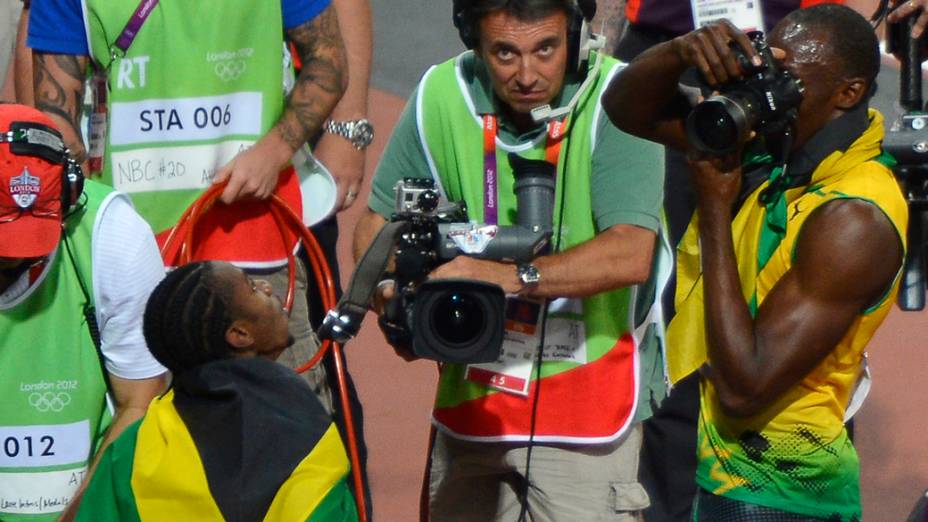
(76, 267)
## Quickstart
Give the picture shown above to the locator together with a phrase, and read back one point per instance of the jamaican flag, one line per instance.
(236, 440)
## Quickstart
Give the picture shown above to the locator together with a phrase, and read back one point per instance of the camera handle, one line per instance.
(911, 168)
(343, 322)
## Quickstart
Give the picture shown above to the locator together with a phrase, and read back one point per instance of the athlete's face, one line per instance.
(260, 323)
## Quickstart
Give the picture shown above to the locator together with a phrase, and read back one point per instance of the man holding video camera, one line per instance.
(792, 259)
(556, 440)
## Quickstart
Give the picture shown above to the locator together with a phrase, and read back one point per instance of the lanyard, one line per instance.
(134, 24)
(556, 130)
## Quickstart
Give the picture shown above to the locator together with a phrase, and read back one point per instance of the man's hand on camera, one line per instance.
(463, 267)
(902, 10)
(708, 49)
(716, 180)
(386, 290)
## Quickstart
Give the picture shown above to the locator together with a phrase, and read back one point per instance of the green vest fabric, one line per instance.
(184, 101)
(54, 409)
(452, 136)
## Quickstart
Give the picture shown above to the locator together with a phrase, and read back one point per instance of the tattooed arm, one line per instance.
(59, 92)
(344, 161)
(321, 83)
(609, 19)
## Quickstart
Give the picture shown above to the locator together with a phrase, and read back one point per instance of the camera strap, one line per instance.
(556, 131)
(343, 322)
(131, 30)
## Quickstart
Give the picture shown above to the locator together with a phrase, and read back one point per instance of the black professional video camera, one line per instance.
(765, 101)
(460, 320)
(907, 141)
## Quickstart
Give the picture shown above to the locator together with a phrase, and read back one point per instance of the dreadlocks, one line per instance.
(186, 318)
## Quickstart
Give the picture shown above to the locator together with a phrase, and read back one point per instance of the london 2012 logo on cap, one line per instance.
(25, 188)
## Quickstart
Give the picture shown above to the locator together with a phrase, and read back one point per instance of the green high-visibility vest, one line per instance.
(53, 412)
(587, 398)
(200, 82)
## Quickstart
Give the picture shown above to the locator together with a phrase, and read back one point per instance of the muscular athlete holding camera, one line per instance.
(787, 269)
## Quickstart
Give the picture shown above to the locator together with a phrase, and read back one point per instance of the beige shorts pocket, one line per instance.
(629, 497)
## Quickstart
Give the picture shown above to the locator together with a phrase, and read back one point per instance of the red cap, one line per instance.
(30, 193)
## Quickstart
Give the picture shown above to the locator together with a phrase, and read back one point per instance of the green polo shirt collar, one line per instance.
(477, 79)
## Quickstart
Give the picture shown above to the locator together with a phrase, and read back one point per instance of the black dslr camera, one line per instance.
(461, 320)
(765, 101)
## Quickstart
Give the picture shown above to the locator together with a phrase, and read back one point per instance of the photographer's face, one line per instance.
(526, 60)
(809, 58)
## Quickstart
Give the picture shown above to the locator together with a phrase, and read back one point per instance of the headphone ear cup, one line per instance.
(462, 21)
(579, 32)
(583, 44)
(574, 36)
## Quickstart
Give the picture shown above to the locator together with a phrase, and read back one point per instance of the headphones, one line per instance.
(42, 141)
(579, 33)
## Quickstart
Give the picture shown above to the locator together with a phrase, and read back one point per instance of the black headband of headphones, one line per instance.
(465, 23)
(28, 138)
(35, 139)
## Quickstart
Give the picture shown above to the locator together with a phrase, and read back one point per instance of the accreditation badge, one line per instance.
(743, 14)
(564, 340)
(96, 135)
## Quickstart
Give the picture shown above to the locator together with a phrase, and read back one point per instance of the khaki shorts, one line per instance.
(478, 481)
(305, 342)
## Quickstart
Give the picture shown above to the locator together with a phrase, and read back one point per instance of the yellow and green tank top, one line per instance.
(795, 455)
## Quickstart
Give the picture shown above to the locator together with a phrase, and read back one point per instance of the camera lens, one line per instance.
(715, 127)
(457, 321)
(719, 124)
(458, 318)
(428, 201)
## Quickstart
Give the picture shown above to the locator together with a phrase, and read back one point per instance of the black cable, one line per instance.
(539, 355)
(89, 310)
(879, 14)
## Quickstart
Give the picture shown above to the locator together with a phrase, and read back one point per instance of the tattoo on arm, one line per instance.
(609, 20)
(59, 92)
(322, 80)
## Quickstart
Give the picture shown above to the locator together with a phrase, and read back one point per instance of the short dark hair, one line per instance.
(187, 317)
(468, 13)
(851, 38)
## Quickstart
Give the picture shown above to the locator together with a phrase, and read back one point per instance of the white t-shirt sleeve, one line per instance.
(127, 267)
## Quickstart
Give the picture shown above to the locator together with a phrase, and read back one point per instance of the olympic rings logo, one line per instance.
(49, 401)
(229, 70)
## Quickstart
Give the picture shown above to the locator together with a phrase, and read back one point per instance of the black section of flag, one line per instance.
(253, 421)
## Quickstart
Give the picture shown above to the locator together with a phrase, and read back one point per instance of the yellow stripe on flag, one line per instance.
(168, 478)
(311, 481)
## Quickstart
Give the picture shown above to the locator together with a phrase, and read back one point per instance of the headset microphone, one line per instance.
(545, 113)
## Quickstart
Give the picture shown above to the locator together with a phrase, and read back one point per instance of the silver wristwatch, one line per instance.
(528, 274)
(359, 132)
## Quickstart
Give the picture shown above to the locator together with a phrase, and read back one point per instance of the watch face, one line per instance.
(362, 134)
(529, 275)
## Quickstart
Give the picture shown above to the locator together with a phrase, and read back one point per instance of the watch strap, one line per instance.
(350, 131)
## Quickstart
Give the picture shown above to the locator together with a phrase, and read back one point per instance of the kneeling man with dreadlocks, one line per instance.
(238, 437)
